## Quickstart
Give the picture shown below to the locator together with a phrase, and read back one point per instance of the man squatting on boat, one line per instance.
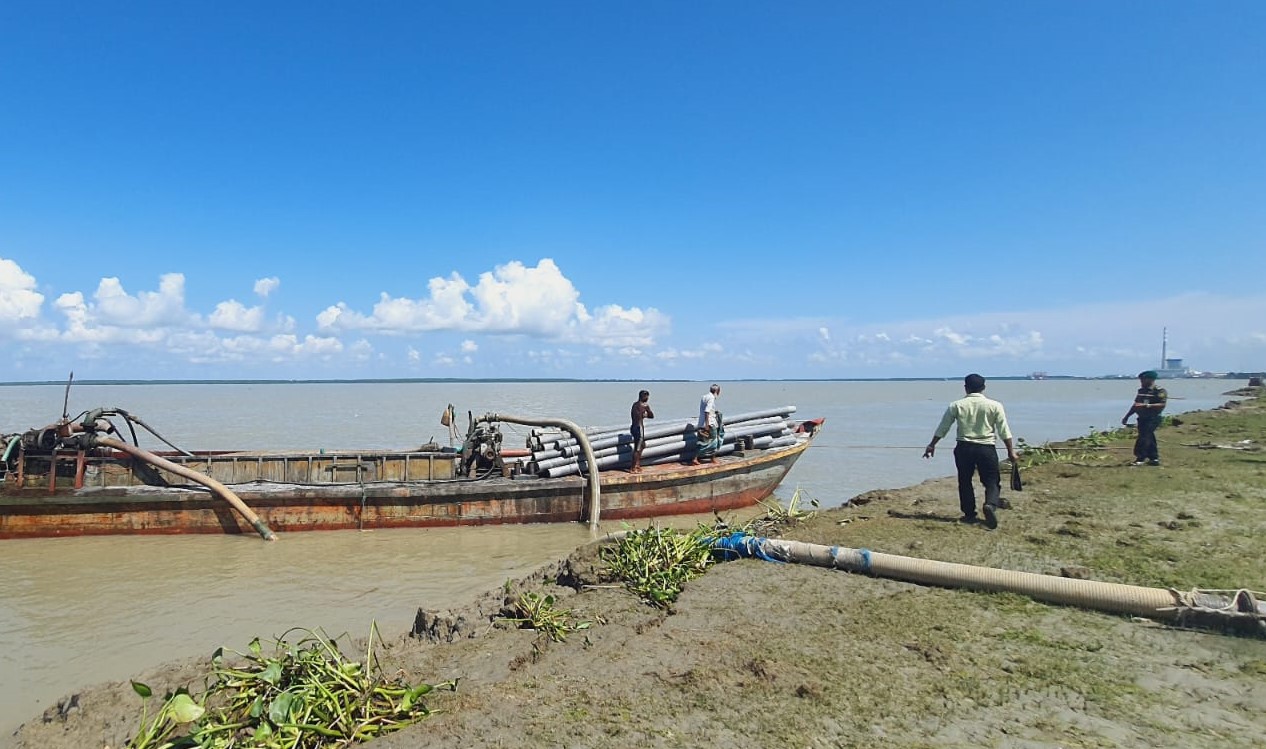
(980, 421)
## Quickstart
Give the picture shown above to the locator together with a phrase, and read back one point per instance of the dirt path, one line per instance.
(798, 656)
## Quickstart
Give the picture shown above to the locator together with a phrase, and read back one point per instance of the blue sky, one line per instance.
(630, 190)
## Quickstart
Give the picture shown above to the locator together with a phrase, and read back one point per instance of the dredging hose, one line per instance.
(595, 490)
(1118, 598)
(215, 486)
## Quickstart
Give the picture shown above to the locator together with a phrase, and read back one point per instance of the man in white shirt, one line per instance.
(708, 408)
(706, 428)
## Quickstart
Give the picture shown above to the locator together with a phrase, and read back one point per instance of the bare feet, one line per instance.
(694, 462)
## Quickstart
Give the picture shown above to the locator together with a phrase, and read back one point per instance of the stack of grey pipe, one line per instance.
(556, 453)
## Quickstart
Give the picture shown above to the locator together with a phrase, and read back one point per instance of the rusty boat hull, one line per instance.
(101, 492)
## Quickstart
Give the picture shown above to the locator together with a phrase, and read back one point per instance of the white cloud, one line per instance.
(955, 339)
(233, 315)
(165, 307)
(18, 298)
(83, 325)
(515, 306)
(511, 299)
(1098, 338)
(266, 286)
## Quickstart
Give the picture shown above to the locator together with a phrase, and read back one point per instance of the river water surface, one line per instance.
(76, 611)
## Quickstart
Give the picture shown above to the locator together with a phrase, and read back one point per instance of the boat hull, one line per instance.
(32, 511)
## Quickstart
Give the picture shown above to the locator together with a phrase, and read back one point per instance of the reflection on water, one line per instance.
(84, 610)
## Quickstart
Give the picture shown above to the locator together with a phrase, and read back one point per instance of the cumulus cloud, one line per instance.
(266, 286)
(233, 315)
(18, 298)
(469, 346)
(147, 309)
(511, 299)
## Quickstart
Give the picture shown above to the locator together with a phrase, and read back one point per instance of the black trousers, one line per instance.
(971, 458)
(1145, 444)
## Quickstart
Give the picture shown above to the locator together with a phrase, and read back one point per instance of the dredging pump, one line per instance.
(481, 451)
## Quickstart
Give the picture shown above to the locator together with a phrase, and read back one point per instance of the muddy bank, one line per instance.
(808, 657)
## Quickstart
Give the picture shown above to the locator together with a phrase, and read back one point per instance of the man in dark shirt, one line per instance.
(1149, 402)
(638, 414)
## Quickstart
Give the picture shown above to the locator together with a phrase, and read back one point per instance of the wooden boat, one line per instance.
(80, 477)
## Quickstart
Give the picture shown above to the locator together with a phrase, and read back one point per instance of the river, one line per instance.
(76, 611)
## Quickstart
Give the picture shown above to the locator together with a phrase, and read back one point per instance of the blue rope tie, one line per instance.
(740, 545)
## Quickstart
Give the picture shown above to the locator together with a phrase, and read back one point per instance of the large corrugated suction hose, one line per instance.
(1242, 608)
(215, 486)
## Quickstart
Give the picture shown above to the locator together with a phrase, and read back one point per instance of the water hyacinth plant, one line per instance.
(307, 695)
(537, 612)
(655, 563)
(776, 514)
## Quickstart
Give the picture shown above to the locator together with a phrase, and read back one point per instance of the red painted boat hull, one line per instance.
(34, 506)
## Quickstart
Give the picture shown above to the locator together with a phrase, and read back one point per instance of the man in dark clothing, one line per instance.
(638, 414)
(1148, 404)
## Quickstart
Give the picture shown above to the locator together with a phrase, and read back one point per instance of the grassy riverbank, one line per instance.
(799, 656)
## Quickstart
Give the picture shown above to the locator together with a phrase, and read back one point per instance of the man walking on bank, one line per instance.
(1148, 404)
(981, 421)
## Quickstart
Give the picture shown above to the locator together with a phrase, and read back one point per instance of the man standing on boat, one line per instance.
(980, 421)
(1148, 404)
(708, 425)
(638, 414)
(708, 408)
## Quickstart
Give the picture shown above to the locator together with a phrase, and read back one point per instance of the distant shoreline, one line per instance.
(452, 380)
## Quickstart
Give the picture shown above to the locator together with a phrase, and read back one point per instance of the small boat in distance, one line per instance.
(82, 476)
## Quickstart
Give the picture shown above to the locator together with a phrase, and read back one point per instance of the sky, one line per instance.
(630, 190)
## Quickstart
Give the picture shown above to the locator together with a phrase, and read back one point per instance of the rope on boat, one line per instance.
(1241, 611)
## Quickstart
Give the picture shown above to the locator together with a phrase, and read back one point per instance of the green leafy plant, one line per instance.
(306, 695)
(655, 563)
(537, 612)
(1090, 447)
(1095, 438)
(179, 709)
(793, 513)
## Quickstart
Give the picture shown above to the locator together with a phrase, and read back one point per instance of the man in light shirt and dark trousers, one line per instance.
(708, 425)
(981, 422)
